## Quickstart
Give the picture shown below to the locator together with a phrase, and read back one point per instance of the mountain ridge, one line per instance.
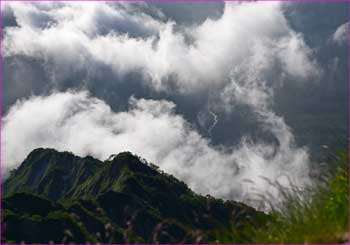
(133, 196)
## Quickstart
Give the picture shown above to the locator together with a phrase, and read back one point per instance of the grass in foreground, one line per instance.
(320, 217)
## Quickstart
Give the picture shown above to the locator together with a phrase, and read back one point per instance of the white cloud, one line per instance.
(76, 122)
(341, 34)
(82, 35)
(240, 56)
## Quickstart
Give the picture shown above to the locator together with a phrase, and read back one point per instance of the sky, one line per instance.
(228, 97)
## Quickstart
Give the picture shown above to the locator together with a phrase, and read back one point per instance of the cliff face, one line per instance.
(59, 197)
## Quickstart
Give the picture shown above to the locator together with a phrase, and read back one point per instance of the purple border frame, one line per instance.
(184, 1)
(348, 111)
(0, 120)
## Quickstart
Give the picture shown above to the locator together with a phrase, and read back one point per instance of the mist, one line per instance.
(229, 99)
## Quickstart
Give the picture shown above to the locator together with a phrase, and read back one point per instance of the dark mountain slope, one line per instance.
(51, 173)
(123, 199)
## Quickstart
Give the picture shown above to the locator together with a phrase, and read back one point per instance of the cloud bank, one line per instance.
(239, 58)
(190, 58)
(77, 122)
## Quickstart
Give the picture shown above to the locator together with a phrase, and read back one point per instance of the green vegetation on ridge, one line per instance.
(61, 198)
(121, 200)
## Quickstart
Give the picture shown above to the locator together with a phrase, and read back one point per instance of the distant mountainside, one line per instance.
(58, 197)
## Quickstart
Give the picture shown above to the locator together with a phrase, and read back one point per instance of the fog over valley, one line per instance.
(229, 97)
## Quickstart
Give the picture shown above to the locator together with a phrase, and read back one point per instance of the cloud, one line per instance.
(77, 122)
(191, 58)
(8, 19)
(237, 58)
(189, 13)
(341, 34)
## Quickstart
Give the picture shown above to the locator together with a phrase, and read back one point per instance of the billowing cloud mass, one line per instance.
(341, 34)
(76, 122)
(239, 58)
(191, 59)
